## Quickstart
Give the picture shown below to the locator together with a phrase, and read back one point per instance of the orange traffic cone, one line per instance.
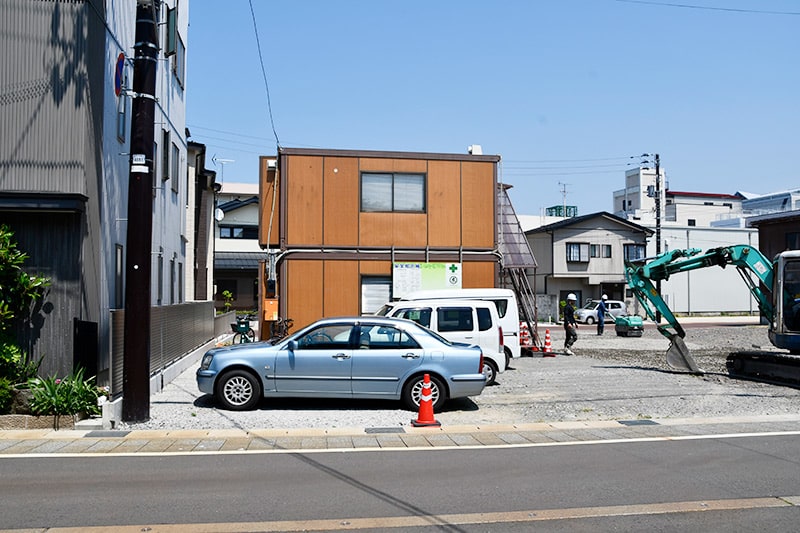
(548, 349)
(425, 416)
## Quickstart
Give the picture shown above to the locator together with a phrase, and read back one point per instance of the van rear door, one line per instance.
(457, 324)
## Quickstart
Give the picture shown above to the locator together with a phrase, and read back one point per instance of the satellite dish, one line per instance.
(219, 214)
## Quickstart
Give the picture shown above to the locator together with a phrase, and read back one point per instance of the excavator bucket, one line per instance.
(678, 356)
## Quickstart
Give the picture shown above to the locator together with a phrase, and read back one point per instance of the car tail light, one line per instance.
(501, 337)
(480, 364)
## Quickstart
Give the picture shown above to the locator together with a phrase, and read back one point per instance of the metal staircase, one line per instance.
(517, 258)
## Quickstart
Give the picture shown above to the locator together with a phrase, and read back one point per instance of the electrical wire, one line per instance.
(264, 73)
(710, 8)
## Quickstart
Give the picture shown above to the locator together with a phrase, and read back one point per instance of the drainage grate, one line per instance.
(638, 423)
(109, 433)
(384, 430)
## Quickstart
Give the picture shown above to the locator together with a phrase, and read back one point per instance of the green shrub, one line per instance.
(14, 366)
(10, 356)
(228, 297)
(6, 396)
(69, 396)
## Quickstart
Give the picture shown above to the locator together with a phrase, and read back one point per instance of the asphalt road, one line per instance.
(744, 483)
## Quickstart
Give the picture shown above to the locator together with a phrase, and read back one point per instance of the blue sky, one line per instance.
(566, 91)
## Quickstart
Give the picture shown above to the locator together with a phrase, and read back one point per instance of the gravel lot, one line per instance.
(608, 378)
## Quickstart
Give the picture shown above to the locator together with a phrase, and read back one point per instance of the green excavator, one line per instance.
(776, 288)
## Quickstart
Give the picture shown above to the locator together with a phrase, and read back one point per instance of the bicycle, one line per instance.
(242, 331)
(280, 329)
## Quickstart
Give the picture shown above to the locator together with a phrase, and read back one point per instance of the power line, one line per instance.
(257, 137)
(624, 157)
(614, 165)
(568, 173)
(264, 73)
(710, 8)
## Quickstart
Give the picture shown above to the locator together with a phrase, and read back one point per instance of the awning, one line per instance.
(238, 260)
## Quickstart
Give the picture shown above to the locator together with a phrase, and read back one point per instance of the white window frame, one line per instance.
(393, 192)
(577, 252)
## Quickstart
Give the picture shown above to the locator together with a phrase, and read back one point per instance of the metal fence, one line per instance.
(175, 330)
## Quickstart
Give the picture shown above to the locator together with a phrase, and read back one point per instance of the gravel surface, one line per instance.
(608, 378)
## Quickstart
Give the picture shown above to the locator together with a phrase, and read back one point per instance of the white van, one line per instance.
(504, 299)
(468, 321)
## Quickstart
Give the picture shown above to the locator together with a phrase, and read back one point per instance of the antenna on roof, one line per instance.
(563, 197)
(222, 163)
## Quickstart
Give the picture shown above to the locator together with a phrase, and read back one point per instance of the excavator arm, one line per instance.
(641, 275)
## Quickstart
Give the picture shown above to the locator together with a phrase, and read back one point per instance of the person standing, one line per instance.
(570, 325)
(602, 309)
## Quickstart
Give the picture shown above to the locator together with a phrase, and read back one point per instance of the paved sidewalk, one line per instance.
(15, 443)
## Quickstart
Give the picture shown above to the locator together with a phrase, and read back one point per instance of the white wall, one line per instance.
(169, 207)
(712, 289)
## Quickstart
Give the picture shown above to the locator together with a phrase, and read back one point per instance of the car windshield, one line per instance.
(590, 305)
(384, 310)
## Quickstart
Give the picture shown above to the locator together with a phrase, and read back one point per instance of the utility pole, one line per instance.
(658, 226)
(138, 261)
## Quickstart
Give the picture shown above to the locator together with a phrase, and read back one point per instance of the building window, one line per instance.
(238, 232)
(155, 160)
(577, 252)
(171, 281)
(393, 192)
(165, 144)
(600, 250)
(375, 291)
(692, 222)
(180, 283)
(119, 278)
(634, 252)
(175, 172)
(179, 61)
(160, 285)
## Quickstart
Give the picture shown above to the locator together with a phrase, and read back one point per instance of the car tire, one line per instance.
(238, 390)
(490, 371)
(412, 391)
(589, 320)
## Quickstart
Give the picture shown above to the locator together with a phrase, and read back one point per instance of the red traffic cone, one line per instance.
(548, 349)
(425, 416)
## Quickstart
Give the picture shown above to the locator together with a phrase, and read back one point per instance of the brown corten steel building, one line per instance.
(334, 221)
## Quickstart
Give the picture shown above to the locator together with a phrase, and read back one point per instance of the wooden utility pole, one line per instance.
(138, 262)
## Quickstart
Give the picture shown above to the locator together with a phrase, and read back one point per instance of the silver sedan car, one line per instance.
(349, 357)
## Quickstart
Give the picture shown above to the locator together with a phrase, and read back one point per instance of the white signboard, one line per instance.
(409, 277)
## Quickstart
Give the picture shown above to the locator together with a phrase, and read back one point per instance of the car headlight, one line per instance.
(207, 358)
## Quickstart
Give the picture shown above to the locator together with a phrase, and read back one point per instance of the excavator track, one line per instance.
(767, 367)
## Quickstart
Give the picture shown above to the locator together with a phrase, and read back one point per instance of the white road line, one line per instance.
(386, 522)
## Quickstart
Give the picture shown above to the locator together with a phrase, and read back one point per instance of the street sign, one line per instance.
(118, 74)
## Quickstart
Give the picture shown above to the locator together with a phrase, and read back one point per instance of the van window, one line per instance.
(454, 318)
(420, 315)
(484, 319)
(502, 307)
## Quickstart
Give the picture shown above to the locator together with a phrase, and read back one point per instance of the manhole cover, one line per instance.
(638, 423)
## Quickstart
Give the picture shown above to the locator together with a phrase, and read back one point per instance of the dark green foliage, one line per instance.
(6, 396)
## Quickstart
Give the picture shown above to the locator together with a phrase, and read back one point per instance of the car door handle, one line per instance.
(410, 356)
(341, 356)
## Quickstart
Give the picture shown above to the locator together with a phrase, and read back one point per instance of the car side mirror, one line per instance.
(292, 346)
